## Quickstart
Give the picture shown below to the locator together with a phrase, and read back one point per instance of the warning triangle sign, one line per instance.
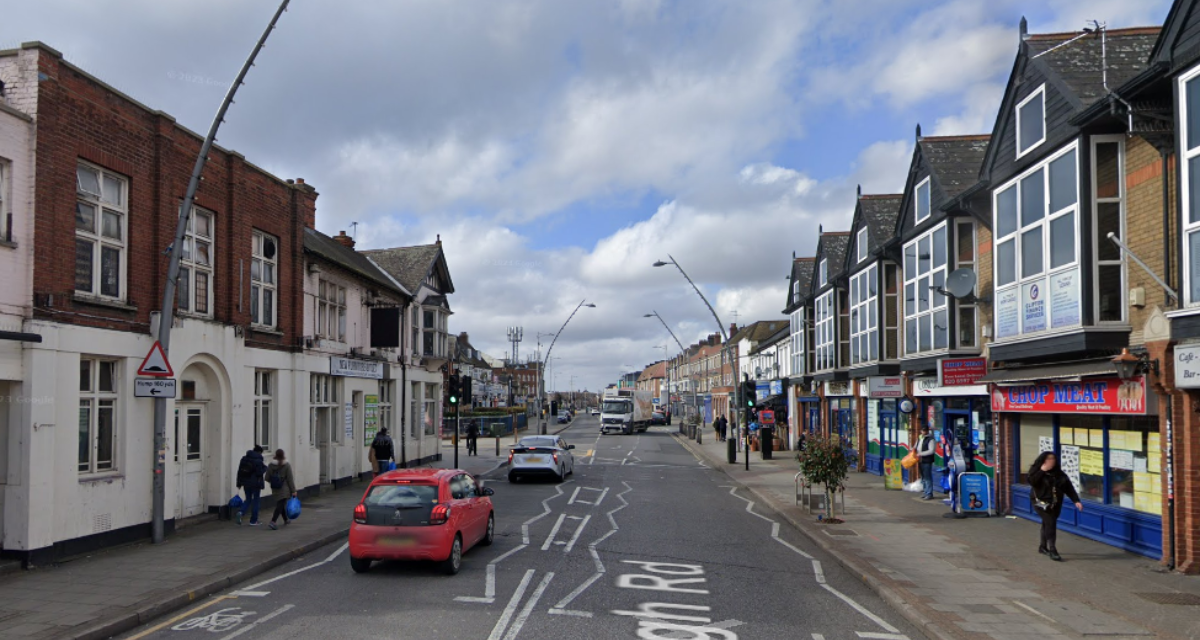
(156, 363)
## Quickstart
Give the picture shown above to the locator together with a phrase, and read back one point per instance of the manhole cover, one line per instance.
(840, 532)
(1186, 599)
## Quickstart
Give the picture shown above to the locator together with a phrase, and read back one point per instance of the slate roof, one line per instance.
(833, 246)
(1080, 66)
(774, 338)
(879, 213)
(802, 272)
(329, 249)
(409, 265)
(954, 160)
(759, 331)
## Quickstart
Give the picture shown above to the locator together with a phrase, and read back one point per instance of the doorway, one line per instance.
(189, 458)
(324, 422)
(814, 419)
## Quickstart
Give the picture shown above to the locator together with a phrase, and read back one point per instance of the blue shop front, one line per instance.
(886, 437)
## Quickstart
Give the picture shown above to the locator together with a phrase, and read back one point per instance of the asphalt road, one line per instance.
(643, 541)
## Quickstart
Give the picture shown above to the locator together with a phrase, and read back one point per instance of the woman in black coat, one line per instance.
(1050, 485)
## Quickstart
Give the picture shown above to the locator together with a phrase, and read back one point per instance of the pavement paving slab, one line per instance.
(978, 577)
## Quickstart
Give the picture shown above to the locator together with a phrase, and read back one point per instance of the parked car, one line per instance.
(658, 417)
(535, 456)
(595, 411)
(421, 514)
(563, 418)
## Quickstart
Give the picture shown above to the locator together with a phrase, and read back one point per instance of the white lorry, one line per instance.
(626, 411)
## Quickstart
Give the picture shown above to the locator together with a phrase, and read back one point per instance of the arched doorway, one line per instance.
(197, 445)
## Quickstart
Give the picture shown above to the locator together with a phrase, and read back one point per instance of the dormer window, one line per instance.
(1031, 121)
(861, 244)
(823, 273)
(922, 200)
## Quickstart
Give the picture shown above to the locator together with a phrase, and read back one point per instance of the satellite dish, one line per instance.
(758, 372)
(960, 283)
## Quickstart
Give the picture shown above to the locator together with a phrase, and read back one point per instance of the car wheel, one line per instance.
(490, 535)
(360, 565)
(452, 564)
(560, 475)
(512, 477)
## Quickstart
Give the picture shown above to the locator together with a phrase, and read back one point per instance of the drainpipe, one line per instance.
(403, 391)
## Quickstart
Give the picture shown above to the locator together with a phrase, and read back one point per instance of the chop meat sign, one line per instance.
(1109, 395)
(661, 620)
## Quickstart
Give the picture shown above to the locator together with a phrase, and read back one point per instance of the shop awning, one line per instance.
(1051, 372)
(777, 399)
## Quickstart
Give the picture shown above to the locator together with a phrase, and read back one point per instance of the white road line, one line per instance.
(489, 586)
(574, 495)
(250, 594)
(871, 635)
(543, 514)
(562, 604)
(519, 622)
(338, 552)
(553, 532)
(502, 623)
(569, 612)
(578, 532)
(289, 574)
(601, 498)
(861, 609)
(818, 572)
(817, 636)
(1032, 610)
(281, 610)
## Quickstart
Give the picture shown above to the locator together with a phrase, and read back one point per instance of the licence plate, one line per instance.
(534, 459)
(395, 542)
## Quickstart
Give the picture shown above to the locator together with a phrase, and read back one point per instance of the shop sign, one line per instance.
(929, 387)
(974, 493)
(351, 368)
(1097, 395)
(893, 476)
(766, 417)
(838, 388)
(1033, 307)
(370, 417)
(1007, 313)
(957, 372)
(1187, 366)
(776, 387)
(885, 387)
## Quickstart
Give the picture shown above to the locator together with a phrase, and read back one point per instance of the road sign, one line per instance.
(156, 363)
(766, 416)
(154, 388)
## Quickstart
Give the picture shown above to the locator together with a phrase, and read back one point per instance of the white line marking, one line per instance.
(553, 532)
(566, 612)
(289, 574)
(881, 636)
(502, 623)
(578, 532)
(861, 609)
(519, 622)
(250, 594)
(545, 512)
(489, 585)
(338, 552)
(1032, 610)
(261, 620)
(818, 572)
(817, 636)
(726, 624)
(574, 495)
(562, 604)
(601, 498)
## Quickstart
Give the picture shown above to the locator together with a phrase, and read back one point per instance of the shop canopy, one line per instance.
(1070, 370)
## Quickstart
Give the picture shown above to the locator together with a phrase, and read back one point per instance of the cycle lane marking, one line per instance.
(560, 608)
(280, 611)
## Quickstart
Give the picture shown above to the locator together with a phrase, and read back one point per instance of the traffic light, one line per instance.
(749, 394)
(554, 408)
(465, 390)
(453, 390)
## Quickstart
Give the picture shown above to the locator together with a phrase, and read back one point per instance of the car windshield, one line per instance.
(537, 442)
(401, 495)
(616, 407)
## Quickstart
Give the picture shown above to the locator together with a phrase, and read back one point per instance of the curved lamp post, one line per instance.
(541, 383)
(725, 357)
(682, 351)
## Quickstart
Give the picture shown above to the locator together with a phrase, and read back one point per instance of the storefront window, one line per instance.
(1081, 454)
(1037, 435)
(1135, 464)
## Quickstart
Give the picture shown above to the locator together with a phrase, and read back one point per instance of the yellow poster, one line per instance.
(1142, 481)
(1133, 440)
(1091, 463)
(1153, 442)
(1081, 437)
(1066, 436)
(1156, 485)
(1116, 440)
(1147, 502)
(1097, 438)
(1154, 463)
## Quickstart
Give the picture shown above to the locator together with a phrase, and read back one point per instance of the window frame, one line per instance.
(264, 401)
(823, 272)
(323, 400)
(330, 304)
(259, 285)
(798, 339)
(959, 306)
(1044, 222)
(861, 307)
(1039, 93)
(1186, 156)
(96, 237)
(1122, 201)
(927, 186)
(190, 269)
(96, 399)
(5, 172)
(860, 245)
(912, 311)
(826, 343)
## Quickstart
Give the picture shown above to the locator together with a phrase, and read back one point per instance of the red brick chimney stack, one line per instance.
(344, 239)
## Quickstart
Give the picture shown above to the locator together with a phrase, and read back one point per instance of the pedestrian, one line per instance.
(472, 438)
(1050, 485)
(383, 449)
(724, 428)
(250, 479)
(926, 450)
(283, 486)
(802, 443)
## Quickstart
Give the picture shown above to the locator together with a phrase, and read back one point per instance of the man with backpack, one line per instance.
(383, 449)
(250, 474)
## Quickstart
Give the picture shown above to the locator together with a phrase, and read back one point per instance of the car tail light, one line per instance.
(360, 513)
(440, 514)
(510, 455)
(556, 457)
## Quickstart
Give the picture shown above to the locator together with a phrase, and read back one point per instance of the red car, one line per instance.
(421, 514)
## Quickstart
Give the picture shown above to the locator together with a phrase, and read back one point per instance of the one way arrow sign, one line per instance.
(154, 388)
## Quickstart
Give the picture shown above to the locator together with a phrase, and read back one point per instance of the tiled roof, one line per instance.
(774, 338)
(656, 370)
(326, 247)
(879, 214)
(409, 265)
(802, 272)
(1079, 64)
(758, 331)
(954, 160)
(833, 244)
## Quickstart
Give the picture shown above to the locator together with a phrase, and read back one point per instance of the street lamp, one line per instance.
(682, 352)
(731, 452)
(541, 383)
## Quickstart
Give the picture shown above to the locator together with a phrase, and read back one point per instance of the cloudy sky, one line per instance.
(560, 147)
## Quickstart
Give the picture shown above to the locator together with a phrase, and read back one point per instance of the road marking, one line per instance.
(553, 532)
(861, 609)
(568, 612)
(269, 616)
(1032, 610)
(578, 532)
(216, 622)
(519, 622)
(871, 635)
(818, 572)
(489, 585)
(250, 594)
(562, 604)
(561, 607)
(183, 616)
(289, 574)
(817, 636)
(543, 514)
(502, 623)
(575, 499)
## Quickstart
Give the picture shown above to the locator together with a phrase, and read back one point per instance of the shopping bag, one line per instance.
(914, 486)
(293, 508)
(909, 461)
(235, 502)
(390, 466)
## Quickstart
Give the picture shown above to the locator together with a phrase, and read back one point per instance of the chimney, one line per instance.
(439, 240)
(344, 240)
(732, 329)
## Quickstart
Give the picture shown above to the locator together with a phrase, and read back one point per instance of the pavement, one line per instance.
(976, 577)
(114, 590)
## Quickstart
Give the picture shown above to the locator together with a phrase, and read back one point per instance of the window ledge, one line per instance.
(1183, 313)
(1103, 328)
(266, 330)
(95, 478)
(8, 244)
(103, 302)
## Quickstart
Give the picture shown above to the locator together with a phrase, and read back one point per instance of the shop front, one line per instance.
(1105, 431)
(803, 406)
(883, 424)
(957, 409)
(841, 409)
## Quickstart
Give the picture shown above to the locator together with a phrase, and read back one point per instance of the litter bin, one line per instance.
(766, 439)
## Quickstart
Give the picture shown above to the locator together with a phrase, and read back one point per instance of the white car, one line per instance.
(534, 456)
(595, 412)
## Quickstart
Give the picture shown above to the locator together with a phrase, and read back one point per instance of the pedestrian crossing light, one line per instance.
(749, 394)
(454, 389)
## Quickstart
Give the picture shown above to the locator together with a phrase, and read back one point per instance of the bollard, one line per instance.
(766, 441)
(497, 445)
(731, 450)
(700, 434)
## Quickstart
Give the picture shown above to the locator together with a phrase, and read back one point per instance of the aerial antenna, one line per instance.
(354, 229)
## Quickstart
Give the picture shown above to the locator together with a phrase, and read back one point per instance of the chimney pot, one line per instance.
(344, 240)
(299, 180)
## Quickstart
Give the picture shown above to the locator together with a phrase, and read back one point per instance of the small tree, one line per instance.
(824, 461)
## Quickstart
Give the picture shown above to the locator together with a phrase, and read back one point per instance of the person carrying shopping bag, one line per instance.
(283, 486)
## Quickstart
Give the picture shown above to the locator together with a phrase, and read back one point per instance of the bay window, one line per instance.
(926, 312)
(1037, 270)
(1189, 109)
(826, 340)
(798, 346)
(1108, 210)
(864, 316)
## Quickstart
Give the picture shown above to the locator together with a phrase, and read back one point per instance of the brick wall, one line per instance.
(80, 118)
(1144, 228)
